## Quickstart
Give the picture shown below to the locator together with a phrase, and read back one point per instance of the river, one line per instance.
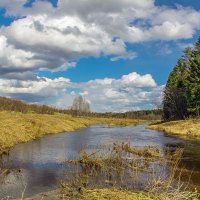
(37, 166)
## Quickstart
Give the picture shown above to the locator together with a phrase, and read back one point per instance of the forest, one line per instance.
(181, 98)
(20, 106)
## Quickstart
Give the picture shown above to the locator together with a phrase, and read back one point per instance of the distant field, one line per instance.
(17, 128)
(185, 128)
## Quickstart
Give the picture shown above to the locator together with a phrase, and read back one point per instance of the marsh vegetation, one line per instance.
(125, 172)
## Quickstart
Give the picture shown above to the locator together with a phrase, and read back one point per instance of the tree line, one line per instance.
(182, 92)
(20, 106)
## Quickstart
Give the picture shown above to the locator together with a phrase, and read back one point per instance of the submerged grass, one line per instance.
(124, 172)
(185, 128)
(18, 128)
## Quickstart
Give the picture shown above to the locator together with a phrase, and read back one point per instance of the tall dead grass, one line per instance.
(188, 129)
(124, 172)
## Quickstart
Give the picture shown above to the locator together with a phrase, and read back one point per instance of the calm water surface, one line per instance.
(38, 165)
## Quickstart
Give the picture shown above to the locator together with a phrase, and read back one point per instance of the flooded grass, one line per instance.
(124, 172)
(18, 128)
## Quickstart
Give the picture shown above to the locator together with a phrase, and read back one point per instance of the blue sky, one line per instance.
(117, 54)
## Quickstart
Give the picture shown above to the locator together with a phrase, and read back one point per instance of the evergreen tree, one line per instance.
(182, 92)
(193, 82)
(174, 102)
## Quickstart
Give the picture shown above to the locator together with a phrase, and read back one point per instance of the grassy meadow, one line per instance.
(189, 129)
(16, 127)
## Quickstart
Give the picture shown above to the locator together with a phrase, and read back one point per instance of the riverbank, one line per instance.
(117, 180)
(188, 129)
(18, 128)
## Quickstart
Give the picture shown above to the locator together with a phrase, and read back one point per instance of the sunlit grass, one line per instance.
(126, 173)
(114, 194)
(185, 128)
(19, 128)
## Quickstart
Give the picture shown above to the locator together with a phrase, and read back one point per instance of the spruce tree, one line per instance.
(182, 92)
(193, 82)
(175, 102)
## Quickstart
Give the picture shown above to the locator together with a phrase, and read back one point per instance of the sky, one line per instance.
(118, 54)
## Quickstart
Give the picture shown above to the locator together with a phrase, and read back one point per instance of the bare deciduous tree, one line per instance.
(80, 104)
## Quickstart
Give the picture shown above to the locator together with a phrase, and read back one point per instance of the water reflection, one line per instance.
(38, 165)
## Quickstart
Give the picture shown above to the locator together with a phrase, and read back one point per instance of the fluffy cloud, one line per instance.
(37, 90)
(55, 38)
(12, 6)
(87, 8)
(137, 80)
(53, 44)
(12, 59)
(44, 37)
(120, 18)
(132, 91)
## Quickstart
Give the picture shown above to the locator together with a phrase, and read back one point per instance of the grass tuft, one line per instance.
(125, 172)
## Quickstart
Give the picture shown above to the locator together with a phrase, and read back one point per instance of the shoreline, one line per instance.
(184, 129)
(16, 128)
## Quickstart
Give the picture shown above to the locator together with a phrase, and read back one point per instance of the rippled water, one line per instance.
(38, 166)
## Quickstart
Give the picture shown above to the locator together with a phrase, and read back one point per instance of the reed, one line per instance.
(121, 172)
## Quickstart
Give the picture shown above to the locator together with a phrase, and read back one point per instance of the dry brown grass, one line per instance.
(113, 194)
(19, 128)
(185, 128)
(122, 173)
(109, 194)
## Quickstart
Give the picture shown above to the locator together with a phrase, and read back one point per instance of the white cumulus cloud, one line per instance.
(127, 93)
(50, 38)
(55, 38)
